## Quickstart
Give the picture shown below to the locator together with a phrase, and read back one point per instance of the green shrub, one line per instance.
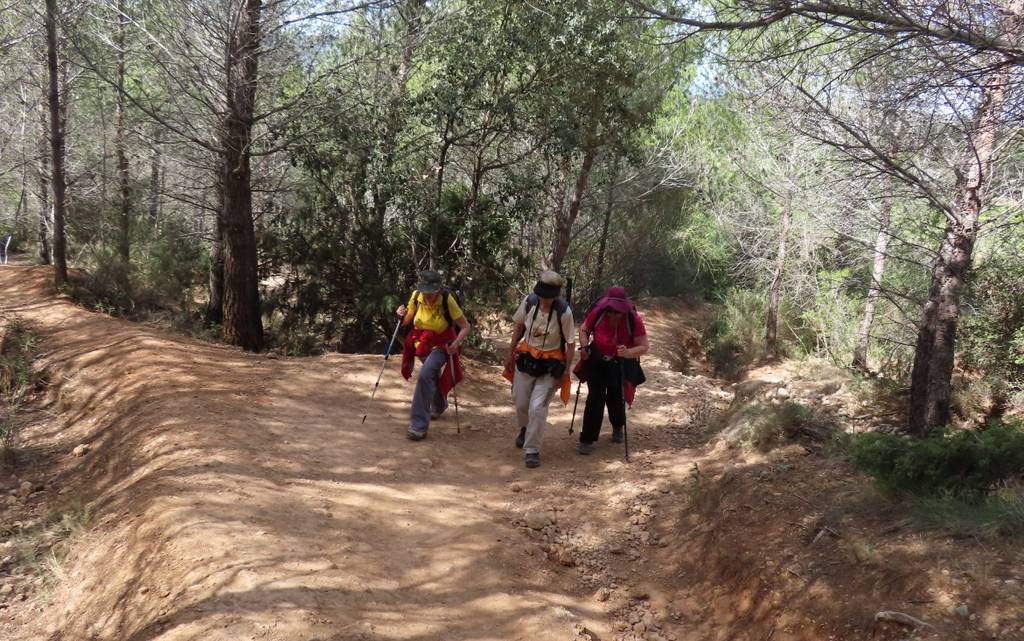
(735, 335)
(974, 398)
(991, 336)
(166, 264)
(762, 426)
(969, 464)
(17, 379)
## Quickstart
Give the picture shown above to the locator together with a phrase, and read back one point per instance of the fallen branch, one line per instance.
(899, 617)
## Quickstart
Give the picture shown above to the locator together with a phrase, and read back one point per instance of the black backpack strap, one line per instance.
(560, 305)
(444, 306)
(630, 322)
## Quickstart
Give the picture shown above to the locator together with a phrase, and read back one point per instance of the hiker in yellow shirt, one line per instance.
(434, 314)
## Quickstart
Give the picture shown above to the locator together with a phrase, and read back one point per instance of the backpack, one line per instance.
(560, 305)
(445, 293)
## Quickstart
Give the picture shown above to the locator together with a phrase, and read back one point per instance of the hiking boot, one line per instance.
(435, 415)
(616, 434)
(416, 435)
(533, 459)
(521, 439)
(584, 448)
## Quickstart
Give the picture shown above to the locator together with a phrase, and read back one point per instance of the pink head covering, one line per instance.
(617, 300)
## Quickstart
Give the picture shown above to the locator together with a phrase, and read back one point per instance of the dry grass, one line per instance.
(18, 379)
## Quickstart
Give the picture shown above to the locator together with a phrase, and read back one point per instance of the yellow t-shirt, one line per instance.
(430, 317)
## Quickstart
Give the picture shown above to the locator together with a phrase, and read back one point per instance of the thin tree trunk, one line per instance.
(605, 224)
(19, 208)
(45, 257)
(860, 352)
(154, 175)
(476, 182)
(564, 224)
(57, 149)
(124, 218)
(771, 334)
(242, 323)
(104, 155)
(383, 190)
(19, 231)
(931, 378)
(442, 161)
(215, 304)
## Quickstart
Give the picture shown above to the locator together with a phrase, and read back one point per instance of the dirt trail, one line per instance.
(238, 496)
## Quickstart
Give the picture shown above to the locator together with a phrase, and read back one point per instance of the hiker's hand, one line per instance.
(585, 352)
(452, 348)
(621, 351)
(510, 361)
(402, 309)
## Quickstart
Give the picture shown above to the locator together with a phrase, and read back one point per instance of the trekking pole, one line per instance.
(455, 395)
(622, 382)
(575, 405)
(387, 355)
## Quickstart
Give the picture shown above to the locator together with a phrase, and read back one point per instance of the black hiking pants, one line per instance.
(604, 388)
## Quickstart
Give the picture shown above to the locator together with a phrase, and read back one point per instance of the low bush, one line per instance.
(962, 463)
(734, 338)
(1000, 513)
(762, 426)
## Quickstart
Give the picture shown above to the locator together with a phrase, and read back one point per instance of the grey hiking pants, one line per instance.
(427, 398)
(532, 396)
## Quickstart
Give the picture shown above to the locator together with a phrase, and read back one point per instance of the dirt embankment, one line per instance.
(238, 496)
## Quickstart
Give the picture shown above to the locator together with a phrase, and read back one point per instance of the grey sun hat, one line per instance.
(429, 282)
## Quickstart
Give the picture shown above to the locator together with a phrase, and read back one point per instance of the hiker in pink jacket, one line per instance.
(612, 339)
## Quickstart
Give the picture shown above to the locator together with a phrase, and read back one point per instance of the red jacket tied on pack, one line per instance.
(419, 343)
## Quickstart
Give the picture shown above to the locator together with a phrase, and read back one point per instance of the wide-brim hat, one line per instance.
(549, 285)
(429, 282)
(617, 300)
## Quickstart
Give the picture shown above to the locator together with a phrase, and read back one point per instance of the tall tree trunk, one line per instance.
(45, 257)
(931, 378)
(242, 323)
(58, 179)
(120, 142)
(860, 352)
(564, 223)
(154, 175)
(771, 333)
